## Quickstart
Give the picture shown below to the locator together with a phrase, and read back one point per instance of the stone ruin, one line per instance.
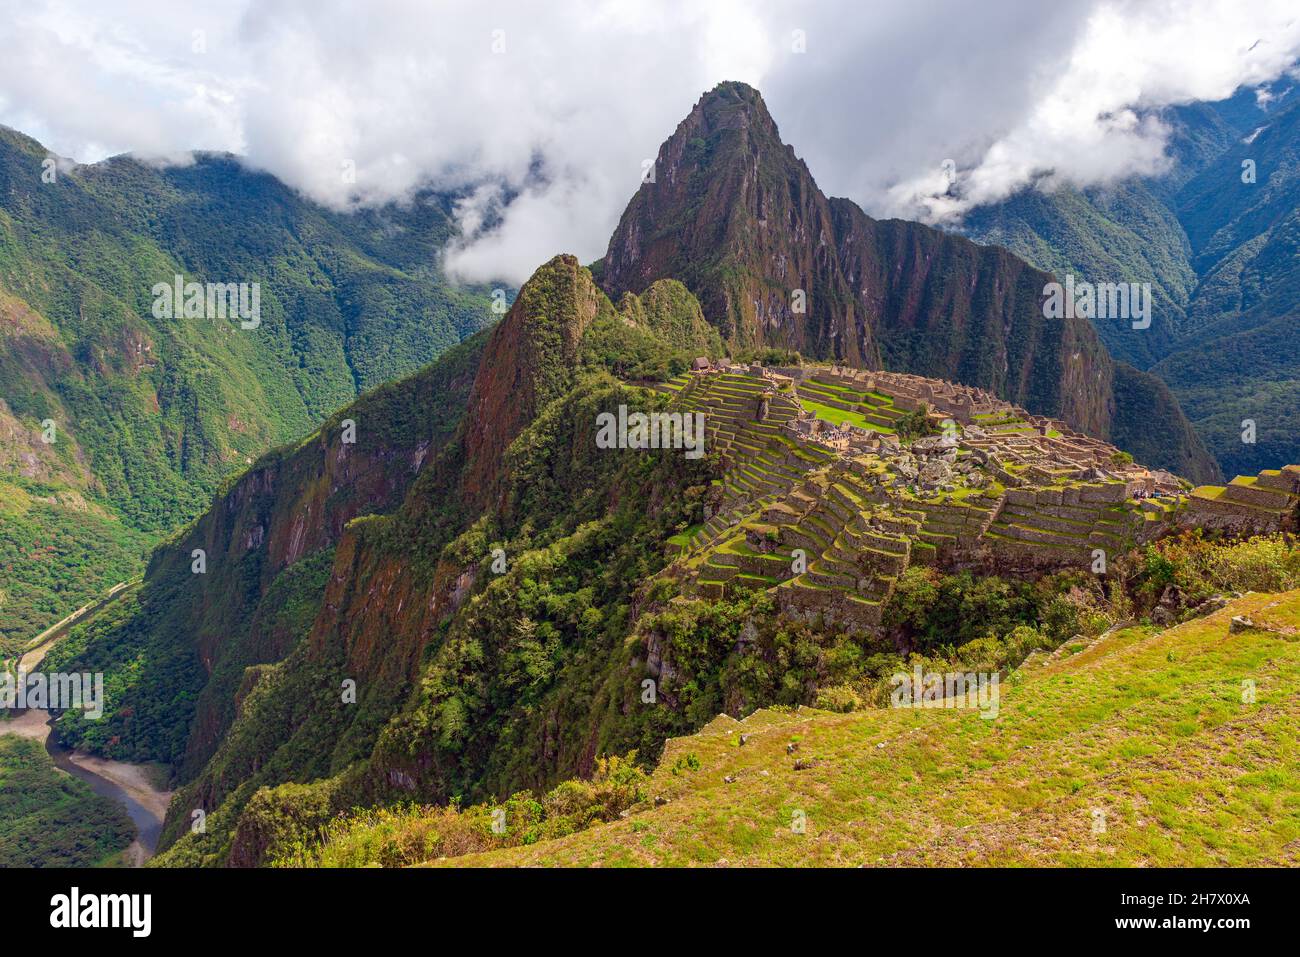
(998, 489)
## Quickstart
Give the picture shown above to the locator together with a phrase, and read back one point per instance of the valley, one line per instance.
(121, 784)
(1214, 235)
(130, 786)
(118, 424)
(386, 591)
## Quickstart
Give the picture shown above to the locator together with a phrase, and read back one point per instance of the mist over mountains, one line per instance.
(604, 489)
(1213, 236)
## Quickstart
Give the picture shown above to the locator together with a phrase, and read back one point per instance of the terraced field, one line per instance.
(830, 528)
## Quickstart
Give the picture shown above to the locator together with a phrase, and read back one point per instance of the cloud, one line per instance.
(1096, 118)
(540, 115)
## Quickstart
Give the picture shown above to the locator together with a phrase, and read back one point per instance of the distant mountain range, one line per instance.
(147, 415)
(465, 601)
(1217, 237)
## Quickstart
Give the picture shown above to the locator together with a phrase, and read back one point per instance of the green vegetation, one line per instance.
(251, 611)
(1150, 728)
(1221, 258)
(489, 612)
(48, 818)
(55, 559)
(400, 836)
(916, 424)
(152, 414)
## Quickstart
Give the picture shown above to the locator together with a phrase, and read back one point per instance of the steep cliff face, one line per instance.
(737, 217)
(401, 588)
(954, 310)
(528, 361)
(178, 660)
(361, 462)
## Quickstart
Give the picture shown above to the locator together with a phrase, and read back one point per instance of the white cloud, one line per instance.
(363, 103)
(1094, 120)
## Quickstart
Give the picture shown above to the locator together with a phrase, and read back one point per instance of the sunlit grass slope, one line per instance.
(1140, 749)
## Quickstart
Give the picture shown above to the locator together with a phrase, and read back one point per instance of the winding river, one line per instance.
(128, 784)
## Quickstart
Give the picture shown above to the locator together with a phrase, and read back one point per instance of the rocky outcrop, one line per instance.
(528, 361)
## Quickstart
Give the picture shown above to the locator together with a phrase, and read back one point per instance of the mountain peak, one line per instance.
(732, 98)
(735, 215)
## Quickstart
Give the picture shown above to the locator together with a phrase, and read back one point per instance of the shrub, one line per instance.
(839, 698)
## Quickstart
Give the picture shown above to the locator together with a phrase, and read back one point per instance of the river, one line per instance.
(128, 784)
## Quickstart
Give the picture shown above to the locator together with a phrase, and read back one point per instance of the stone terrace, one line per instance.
(824, 503)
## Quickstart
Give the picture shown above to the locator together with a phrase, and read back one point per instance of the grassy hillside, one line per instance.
(1136, 749)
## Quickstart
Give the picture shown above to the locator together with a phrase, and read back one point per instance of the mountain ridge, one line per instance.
(735, 215)
(487, 623)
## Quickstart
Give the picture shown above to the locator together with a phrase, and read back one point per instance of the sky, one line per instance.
(556, 105)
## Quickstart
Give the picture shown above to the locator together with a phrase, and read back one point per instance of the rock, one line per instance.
(730, 779)
(743, 739)
(660, 800)
(1161, 615)
(936, 472)
(1210, 605)
(1240, 623)
(935, 443)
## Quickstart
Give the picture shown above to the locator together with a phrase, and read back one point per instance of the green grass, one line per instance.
(833, 415)
(1148, 729)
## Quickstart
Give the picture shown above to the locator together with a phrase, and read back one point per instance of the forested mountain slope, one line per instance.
(122, 420)
(1216, 237)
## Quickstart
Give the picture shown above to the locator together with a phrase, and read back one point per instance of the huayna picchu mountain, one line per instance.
(733, 213)
(475, 599)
